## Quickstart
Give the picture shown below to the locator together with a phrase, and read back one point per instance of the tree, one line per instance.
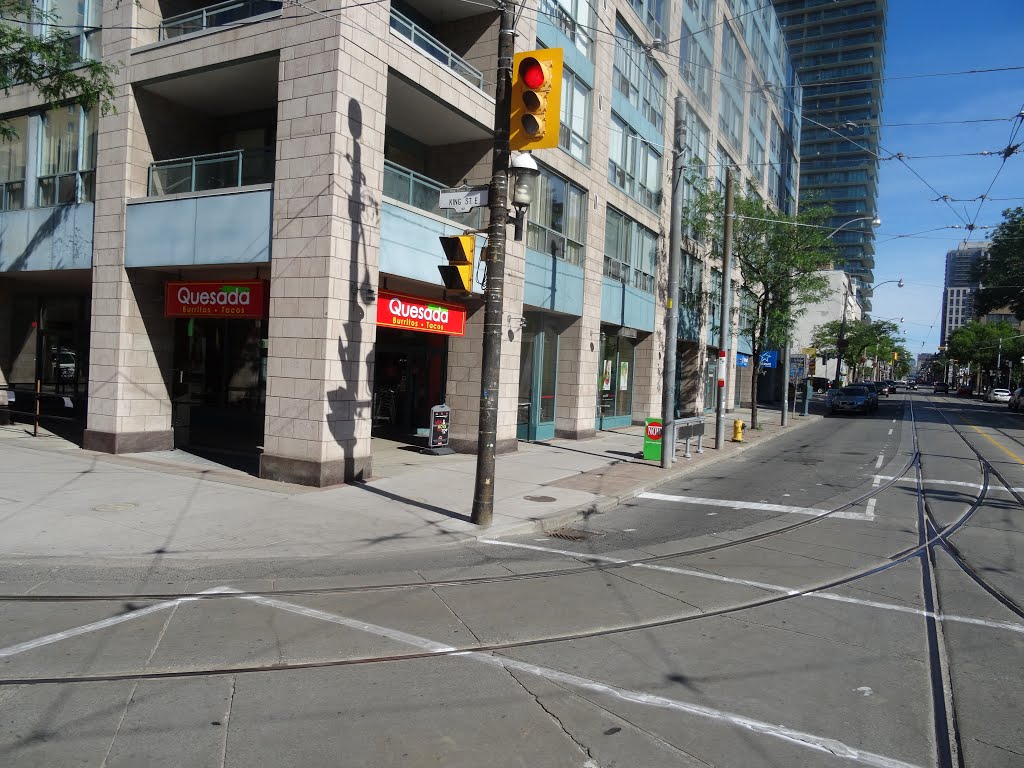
(874, 339)
(780, 258)
(984, 346)
(49, 63)
(1002, 274)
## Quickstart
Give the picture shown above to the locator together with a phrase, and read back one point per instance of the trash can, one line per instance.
(652, 439)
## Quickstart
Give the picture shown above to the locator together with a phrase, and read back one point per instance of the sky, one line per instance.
(935, 37)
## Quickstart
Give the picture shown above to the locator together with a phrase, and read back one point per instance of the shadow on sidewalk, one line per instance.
(412, 502)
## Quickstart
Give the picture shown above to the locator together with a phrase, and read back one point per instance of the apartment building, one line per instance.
(838, 48)
(960, 286)
(241, 257)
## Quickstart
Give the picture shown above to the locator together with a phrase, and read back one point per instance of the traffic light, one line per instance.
(460, 250)
(536, 99)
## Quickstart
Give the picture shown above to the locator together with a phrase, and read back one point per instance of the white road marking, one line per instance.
(865, 690)
(1009, 626)
(869, 512)
(881, 458)
(890, 430)
(95, 626)
(959, 483)
(800, 738)
(758, 505)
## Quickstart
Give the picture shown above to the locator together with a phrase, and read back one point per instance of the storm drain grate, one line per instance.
(569, 534)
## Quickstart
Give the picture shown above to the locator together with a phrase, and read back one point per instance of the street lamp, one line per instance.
(525, 169)
(841, 341)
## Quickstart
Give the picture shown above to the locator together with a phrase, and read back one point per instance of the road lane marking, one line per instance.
(881, 458)
(1009, 626)
(890, 430)
(992, 440)
(756, 505)
(95, 626)
(811, 741)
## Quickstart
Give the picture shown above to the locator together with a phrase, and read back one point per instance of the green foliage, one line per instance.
(877, 339)
(1002, 274)
(49, 63)
(983, 344)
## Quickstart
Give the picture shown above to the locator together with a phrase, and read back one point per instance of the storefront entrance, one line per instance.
(538, 378)
(711, 381)
(615, 379)
(408, 379)
(219, 385)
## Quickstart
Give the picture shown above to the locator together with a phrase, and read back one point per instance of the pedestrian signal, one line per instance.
(460, 250)
(536, 99)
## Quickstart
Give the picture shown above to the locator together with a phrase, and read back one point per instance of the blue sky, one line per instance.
(923, 38)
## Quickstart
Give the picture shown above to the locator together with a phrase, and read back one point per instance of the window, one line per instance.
(653, 14)
(67, 156)
(82, 20)
(695, 65)
(691, 275)
(574, 136)
(714, 305)
(730, 115)
(637, 77)
(556, 222)
(630, 251)
(575, 19)
(634, 166)
(12, 166)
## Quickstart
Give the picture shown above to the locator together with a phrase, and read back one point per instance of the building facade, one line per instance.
(838, 47)
(243, 256)
(841, 302)
(960, 286)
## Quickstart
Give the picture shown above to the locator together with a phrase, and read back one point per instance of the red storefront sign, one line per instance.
(220, 298)
(411, 314)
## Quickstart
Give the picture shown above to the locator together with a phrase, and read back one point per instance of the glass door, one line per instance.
(615, 381)
(538, 379)
(711, 382)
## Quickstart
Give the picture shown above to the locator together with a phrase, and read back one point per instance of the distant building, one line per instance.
(838, 49)
(960, 287)
(842, 289)
(924, 364)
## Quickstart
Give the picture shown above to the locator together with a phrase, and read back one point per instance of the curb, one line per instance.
(564, 517)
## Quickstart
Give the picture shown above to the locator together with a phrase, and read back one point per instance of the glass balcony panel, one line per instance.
(223, 170)
(218, 15)
(216, 173)
(434, 48)
(170, 179)
(14, 195)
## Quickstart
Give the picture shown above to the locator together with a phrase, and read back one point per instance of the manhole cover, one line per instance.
(125, 506)
(540, 498)
(569, 534)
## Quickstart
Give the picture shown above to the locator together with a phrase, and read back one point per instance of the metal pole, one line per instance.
(785, 385)
(483, 490)
(841, 343)
(39, 387)
(724, 324)
(675, 238)
(999, 363)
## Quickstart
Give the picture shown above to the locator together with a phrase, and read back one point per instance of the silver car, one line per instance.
(854, 399)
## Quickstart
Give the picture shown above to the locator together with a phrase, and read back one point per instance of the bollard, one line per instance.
(700, 443)
(686, 455)
(737, 431)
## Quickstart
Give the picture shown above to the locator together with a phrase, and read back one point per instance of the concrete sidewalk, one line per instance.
(57, 500)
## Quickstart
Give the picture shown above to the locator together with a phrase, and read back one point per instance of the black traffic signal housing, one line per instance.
(460, 250)
(536, 99)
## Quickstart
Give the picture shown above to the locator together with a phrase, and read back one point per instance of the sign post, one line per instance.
(463, 199)
(440, 421)
(652, 439)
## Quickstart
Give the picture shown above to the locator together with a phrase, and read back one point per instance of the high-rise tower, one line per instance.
(838, 48)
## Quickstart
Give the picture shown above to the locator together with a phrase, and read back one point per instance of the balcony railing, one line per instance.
(435, 49)
(422, 192)
(221, 170)
(214, 16)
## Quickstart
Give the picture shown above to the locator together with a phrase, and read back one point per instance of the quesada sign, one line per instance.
(222, 298)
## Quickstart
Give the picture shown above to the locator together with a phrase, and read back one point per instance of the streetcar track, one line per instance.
(474, 580)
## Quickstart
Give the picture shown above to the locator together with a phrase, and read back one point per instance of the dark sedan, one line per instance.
(852, 400)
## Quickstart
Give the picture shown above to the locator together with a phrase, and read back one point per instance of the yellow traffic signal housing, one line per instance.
(536, 99)
(460, 250)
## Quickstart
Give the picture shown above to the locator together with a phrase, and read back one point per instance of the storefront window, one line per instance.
(615, 382)
(557, 218)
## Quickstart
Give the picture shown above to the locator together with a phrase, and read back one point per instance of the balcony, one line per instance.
(204, 173)
(217, 15)
(422, 192)
(434, 48)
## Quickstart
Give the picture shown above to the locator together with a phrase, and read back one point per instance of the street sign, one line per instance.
(440, 424)
(769, 359)
(812, 351)
(463, 199)
(742, 361)
(652, 439)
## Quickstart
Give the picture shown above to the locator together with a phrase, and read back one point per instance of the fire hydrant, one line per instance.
(737, 431)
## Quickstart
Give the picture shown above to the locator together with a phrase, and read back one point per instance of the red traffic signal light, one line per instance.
(536, 99)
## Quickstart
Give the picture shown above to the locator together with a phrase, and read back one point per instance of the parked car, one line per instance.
(855, 399)
(872, 393)
(965, 390)
(1016, 399)
(880, 387)
(940, 388)
(997, 395)
(912, 386)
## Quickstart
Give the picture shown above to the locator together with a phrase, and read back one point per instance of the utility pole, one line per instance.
(675, 238)
(785, 384)
(841, 342)
(483, 490)
(724, 324)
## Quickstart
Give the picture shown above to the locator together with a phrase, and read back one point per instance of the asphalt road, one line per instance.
(848, 594)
